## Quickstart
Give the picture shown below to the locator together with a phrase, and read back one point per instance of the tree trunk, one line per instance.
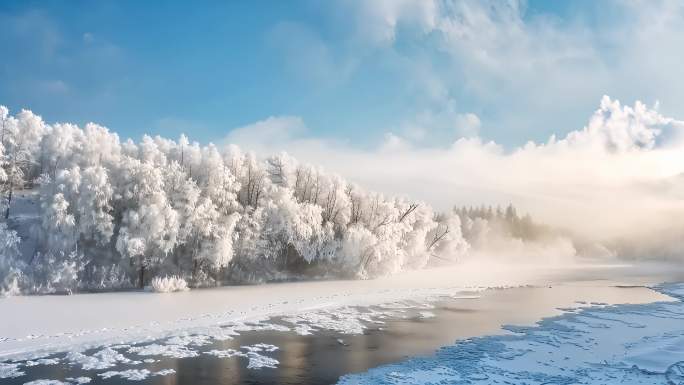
(194, 270)
(141, 278)
(9, 201)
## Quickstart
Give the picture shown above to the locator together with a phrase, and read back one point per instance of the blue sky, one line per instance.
(352, 71)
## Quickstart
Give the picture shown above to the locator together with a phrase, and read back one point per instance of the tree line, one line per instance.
(114, 214)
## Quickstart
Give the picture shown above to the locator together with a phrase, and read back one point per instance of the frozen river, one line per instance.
(319, 346)
(602, 345)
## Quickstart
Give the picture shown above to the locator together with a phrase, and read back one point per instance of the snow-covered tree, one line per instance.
(20, 138)
(149, 226)
(58, 224)
(94, 219)
(113, 213)
(11, 265)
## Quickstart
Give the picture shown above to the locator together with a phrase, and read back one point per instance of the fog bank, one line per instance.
(617, 178)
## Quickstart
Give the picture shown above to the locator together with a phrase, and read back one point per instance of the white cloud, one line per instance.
(606, 178)
(441, 125)
(268, 134)
(525, 73)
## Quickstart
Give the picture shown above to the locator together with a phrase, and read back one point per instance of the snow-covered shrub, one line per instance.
(10, 287)
(169, 284)
(54, 273)
(106, 277)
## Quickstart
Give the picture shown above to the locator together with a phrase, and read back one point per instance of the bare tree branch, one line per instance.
(438, 237)
(412, 207)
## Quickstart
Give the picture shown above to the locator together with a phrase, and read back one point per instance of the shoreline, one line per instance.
(330, 343)
(34, 327)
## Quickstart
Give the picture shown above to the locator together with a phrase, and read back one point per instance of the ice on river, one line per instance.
(621, 344)
(115, 360)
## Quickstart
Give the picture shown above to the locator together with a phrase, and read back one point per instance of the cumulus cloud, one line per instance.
(526, 72)
(618, 176)
(499, 69)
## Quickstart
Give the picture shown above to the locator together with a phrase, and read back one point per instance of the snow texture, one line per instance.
(346, 320)
(260, 348)
(10, 370)
(135, 374)
(103, 359)
(253, 353)
(185, 340)
(228, 353)
(173, 351)
(42, 361)
(79, 380)
(621, 344)
(87, 321)
(70, 381)
(258, 361)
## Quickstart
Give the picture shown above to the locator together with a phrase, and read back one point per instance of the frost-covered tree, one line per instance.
(149, 226)
(211, 241)
(297, 229)
(20, 137)
(94, 219)
(445, 241)
(58, 224)
(11, 265)
(113, 213)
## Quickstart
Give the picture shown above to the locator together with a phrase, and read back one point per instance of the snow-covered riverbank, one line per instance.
(37, 325)
(320, 345)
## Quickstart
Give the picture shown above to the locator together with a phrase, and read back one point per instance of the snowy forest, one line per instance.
(83, 210)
